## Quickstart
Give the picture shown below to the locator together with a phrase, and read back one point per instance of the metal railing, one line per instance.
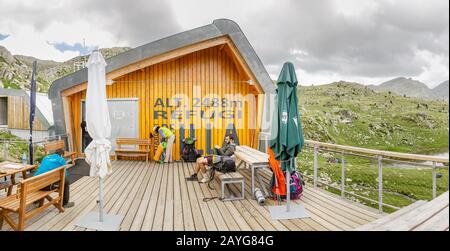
(8, 145)
(414, 160)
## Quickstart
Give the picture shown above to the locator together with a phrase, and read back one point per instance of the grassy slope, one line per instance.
(352, 114)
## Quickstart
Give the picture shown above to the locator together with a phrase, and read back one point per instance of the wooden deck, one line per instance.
(157, 197)
(419, 216)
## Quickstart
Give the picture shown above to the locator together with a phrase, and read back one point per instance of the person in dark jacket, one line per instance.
(84, 133)
(228, 149)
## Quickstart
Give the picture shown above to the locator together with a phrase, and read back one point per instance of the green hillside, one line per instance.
(352, 114)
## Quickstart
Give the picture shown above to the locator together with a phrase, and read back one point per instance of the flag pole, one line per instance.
(32, 111)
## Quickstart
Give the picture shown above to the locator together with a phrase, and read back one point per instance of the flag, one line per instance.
(32, 110)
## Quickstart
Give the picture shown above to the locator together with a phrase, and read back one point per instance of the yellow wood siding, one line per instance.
(18, 115)
(198, 75)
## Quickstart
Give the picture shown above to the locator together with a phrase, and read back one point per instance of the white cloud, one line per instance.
(25, 41)
(367, 41)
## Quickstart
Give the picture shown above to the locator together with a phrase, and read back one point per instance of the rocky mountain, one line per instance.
(15, 70)
(440, 91)
(413, 88)
(404, 86)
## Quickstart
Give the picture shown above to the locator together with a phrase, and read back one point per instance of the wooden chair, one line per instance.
(141, 148)
(28, 192)
(52, 146)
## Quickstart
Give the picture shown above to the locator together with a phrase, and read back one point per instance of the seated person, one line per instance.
(227, 150)
(51, 162)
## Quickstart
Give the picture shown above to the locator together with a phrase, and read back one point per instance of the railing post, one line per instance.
(342, 177)
(434, 179)
(380, 183)
(5, 152)
(316, 164)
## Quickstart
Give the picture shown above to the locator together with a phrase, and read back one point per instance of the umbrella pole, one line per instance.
(288, 192)
(100, 202)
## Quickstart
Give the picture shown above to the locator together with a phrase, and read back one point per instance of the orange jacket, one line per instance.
(279, 176)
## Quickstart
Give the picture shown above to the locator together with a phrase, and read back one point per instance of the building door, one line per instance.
(123, 114)
(3, 111)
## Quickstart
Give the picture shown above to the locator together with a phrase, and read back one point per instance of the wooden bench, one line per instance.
(6, 184)
(254, 159)
(419, 216)
(230, 178)
(52, 146)
(28, 192)
(140, 148)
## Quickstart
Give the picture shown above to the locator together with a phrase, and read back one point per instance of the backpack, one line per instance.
(295, 186)
(189, 153)
(225, 165)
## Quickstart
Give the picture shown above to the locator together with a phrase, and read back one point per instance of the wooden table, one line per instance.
(5, 172)
(254, 159)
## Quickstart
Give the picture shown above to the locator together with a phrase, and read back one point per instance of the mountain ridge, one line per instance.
(15, 70)
(413, 88)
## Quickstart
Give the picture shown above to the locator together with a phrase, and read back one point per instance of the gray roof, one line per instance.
(218, 28)
(43, 104)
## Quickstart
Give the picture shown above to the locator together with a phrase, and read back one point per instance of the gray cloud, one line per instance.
(381, 42)
(386, 40)
(135, 22)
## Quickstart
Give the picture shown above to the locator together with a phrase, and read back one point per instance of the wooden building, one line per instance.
(15, 113)
(202, 83)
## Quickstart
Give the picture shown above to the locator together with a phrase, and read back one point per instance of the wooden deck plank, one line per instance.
(261, 212)
(390, 217)
(177, 202)
(188, 219)
(199, 221)
(88, 197)
(130, 206)
(158, 197)
(204, 208)
(158, 222)
(169, 207)
(205, 192)
(300, 224)
(438, 222)
(418, 216)
(359, 210)
(110, 191)
(127, 192)
(144, 203)
(151, 208)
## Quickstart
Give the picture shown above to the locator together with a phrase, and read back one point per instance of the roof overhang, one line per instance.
(220, 32)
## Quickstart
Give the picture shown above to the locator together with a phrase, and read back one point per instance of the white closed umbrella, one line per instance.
(99, 128)
(97, 118)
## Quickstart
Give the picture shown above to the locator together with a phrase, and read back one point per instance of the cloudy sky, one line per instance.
(368, 41)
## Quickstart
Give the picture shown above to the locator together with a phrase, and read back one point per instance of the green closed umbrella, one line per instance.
(287, 131)
(287, 137)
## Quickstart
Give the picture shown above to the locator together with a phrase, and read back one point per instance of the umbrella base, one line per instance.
(109, 223)
(281, 213)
